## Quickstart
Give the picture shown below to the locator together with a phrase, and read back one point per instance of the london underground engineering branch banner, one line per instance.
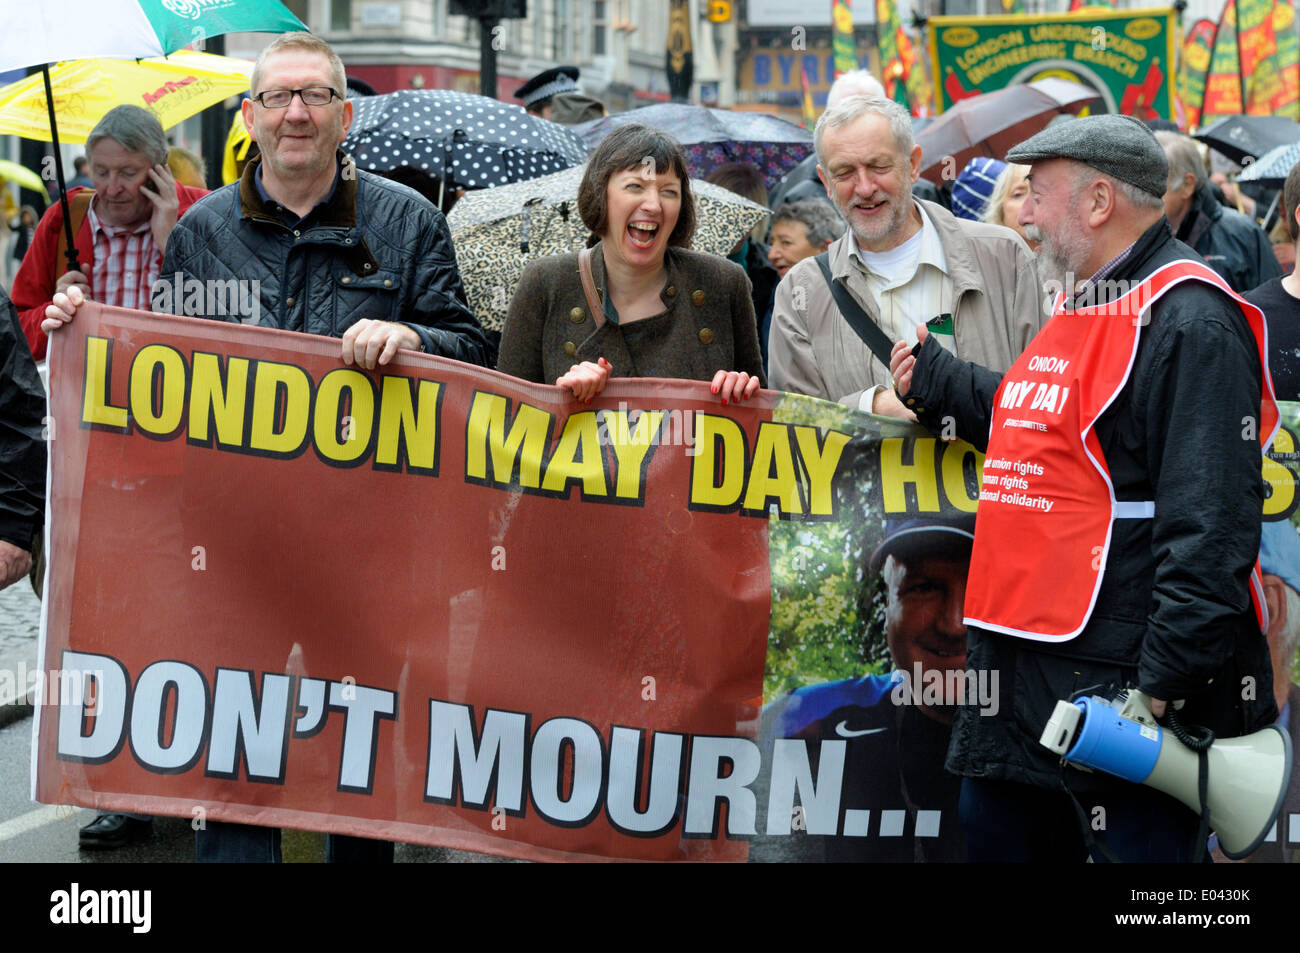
(1127, 56)
(435, 604)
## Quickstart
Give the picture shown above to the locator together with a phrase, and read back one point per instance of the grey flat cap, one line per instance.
(1120, 146)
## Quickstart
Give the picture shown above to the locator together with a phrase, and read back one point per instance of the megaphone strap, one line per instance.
(1096, 849)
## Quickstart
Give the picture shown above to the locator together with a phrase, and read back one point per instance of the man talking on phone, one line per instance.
(331, 251)
(120, 227)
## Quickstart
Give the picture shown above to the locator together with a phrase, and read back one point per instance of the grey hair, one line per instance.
(851, 109)
(858, 82)
(301, 41)
(1137, 197)
(819, 220)
(1001, 190)
(1183, 158)
(135, 128)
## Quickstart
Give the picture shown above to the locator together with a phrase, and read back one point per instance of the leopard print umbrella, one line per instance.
(499, 231)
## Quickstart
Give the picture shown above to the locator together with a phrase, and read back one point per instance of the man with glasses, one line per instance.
(325, 249)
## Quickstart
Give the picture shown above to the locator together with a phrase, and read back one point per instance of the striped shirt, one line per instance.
(127, 263)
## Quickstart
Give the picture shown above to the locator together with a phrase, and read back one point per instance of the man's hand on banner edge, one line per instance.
(62, 308)
(15, 563)
(369, 343)
(901, 361)
(734, 386)
(586, 380)
(885, 403)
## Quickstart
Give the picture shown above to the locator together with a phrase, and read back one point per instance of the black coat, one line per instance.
(1173, 614)
(1231, 243)
(22, 446)
(375, 249)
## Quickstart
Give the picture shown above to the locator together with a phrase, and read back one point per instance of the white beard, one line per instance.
(1061, 257)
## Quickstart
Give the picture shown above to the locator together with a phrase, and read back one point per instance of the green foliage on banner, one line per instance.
(823, 627)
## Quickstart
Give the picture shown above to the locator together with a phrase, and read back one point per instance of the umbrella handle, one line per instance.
(73, 264)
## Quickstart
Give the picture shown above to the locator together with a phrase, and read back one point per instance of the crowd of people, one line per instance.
(868, 287)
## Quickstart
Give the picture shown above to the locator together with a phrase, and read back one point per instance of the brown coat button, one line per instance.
(672, 291)
(577, 315)
(697, 298)
(706, 335)
(570, 348)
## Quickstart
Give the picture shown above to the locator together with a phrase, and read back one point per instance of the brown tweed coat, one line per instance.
(707, 324)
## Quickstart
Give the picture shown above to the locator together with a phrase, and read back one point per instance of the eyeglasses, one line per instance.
(311, 96)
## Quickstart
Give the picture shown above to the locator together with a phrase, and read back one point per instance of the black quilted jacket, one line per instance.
(375, 250)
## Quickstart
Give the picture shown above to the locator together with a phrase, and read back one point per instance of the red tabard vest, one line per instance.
(1043, 527)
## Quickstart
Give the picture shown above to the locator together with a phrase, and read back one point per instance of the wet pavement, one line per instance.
(20, 625)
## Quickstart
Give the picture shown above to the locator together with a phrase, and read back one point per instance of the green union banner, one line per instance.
(1126, 56)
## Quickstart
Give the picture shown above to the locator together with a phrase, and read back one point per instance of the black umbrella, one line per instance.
(467, 141)
(1238, 137)
(714, 137)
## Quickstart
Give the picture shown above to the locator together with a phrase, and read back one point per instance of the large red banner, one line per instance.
(279, 588)
(435, 604)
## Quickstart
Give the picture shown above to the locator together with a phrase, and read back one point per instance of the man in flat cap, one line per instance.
(1117, 543)
(538, 92)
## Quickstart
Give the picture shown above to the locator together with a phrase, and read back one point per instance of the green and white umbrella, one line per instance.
(40, 32)
(36, 32)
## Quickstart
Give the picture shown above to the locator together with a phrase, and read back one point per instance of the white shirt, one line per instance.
(909, 285)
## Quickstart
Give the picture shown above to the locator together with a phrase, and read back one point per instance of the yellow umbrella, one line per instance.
(237, 144)
(23, 176)
(173, 88)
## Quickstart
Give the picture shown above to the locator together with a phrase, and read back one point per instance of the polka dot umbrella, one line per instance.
(713, 137)
(482, 142)
(499, 231)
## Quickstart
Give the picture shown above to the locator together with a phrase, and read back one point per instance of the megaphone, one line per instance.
(1248, 776)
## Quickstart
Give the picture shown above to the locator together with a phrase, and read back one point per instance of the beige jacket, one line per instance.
(998, 308)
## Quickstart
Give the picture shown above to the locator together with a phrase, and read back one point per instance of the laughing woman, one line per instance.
(648, 306)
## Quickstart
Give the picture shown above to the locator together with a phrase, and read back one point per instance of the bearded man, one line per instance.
(1126, 554)
(902, 260)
